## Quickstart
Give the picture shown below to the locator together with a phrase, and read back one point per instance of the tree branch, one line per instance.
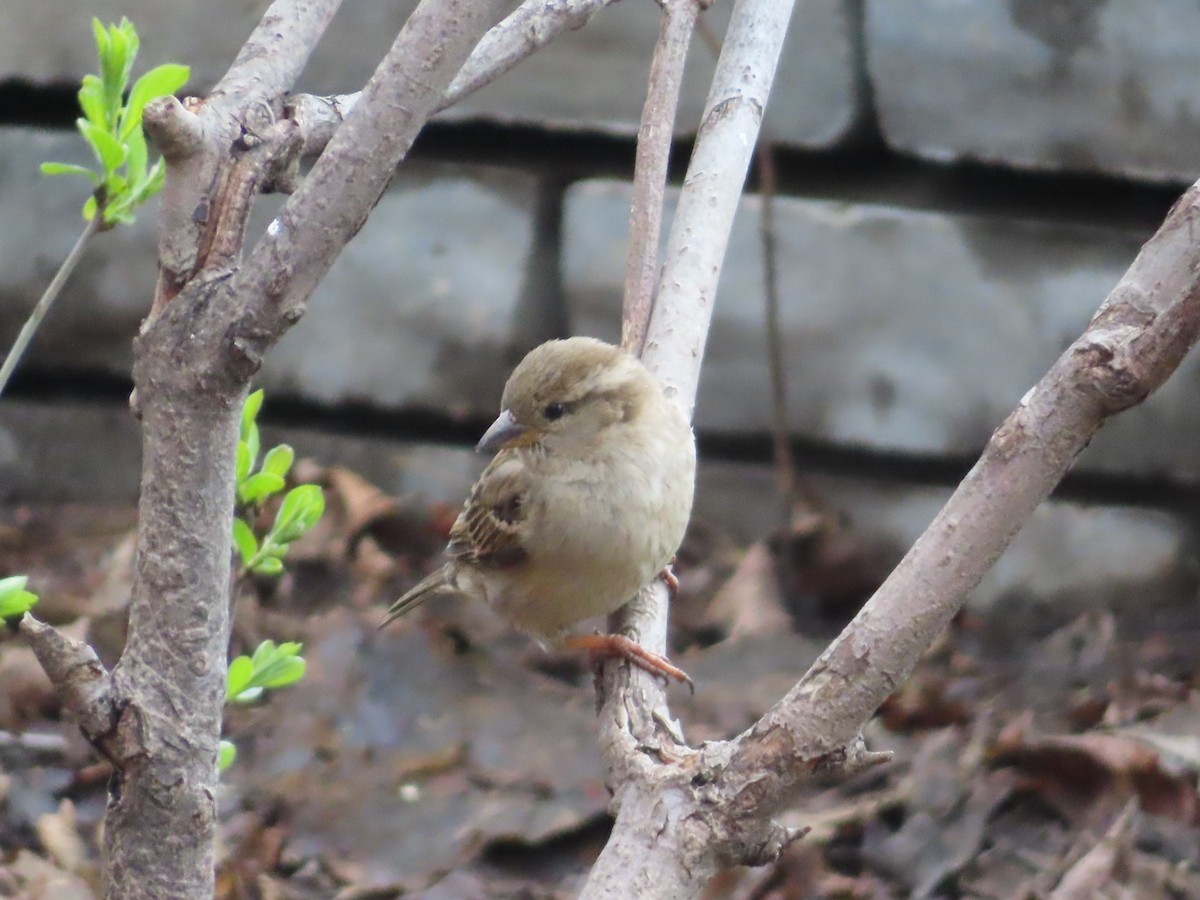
(1137, 338)
(83, 684)
(531, 26)
(246, 101)
(329, 208)
(690, 812)
(169, 685)
(652, 771)
(208, 327)
(655, 133)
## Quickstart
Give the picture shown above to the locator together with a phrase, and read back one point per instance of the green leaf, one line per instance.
(275, 666)
(14, 599)
(278, 460)
(101, 35)
(89, 208)
(154, 181)
(12, 583)
(284, 672)
(301, 509)
(244, 540)
(242, 463)
(226, 754)
(158, 82)
(271, 666)
(135, 144)
(258, 486)
(91, 101)
(59, 168)
(252, 444)
(250, 410)
(241, 673)
(133, 44)
(108, 150)
(269, 565)
(113, 59)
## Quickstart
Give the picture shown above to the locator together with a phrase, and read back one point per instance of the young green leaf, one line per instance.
(108, 150)
(226, 754)
(158, 82)
(58, 168)
(250, 408)
(91, 101)
(275, 666)
(135, 167)
(258, 486)
(14, 599)
(284, 672)
(239, 676)
(301, 509)
(268, 565)
(244, 540)
(113, 59)
(278, 460)
(242, 463)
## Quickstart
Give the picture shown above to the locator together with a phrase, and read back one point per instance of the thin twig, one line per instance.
(659, 847)
(650, 168)
(785, 464)
(531, 26)
(48, 297)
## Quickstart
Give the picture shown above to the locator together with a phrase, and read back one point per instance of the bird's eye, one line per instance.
(553, 411)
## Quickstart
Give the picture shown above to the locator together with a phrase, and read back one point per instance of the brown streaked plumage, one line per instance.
(585, 501)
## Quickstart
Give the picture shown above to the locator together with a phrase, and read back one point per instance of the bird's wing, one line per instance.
(488, 531)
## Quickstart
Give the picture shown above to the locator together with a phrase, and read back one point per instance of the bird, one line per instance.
(585, 501)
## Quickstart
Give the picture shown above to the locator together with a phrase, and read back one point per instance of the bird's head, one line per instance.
(565, 396)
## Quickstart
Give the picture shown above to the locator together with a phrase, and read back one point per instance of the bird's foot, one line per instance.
(669, 579)
(618, 645)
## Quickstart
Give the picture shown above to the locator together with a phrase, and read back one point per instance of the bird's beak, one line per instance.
(504, 433)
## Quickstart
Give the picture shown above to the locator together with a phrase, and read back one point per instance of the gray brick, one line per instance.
(1081, 86)
(904, 331)
(420, 310)
(593, 78)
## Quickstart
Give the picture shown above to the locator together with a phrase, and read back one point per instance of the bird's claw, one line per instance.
(622, 647)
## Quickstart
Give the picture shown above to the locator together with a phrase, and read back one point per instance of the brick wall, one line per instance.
(963, 183)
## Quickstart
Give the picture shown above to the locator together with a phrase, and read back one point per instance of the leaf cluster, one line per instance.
(112, 126)
(272, 666)
(301, 509)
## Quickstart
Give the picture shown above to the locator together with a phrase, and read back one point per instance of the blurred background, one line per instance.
(957, 186)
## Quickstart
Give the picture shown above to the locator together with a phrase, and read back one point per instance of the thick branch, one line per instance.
(1137, 338)
(531, 26)
(634, 730)
(169, 684)
(82, 682)
(246, 100)
(347, 180)
(650, 168)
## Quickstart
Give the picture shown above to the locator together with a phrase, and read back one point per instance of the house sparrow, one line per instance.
(585, 501)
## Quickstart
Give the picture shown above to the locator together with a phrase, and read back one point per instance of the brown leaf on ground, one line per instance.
(26, 695)
(40, 879)
(399, 760)
(1104, 870)
(749, 602)
(1082, 774)
(59, 834)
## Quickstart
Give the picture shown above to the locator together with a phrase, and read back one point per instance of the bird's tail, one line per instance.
(437, 583)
